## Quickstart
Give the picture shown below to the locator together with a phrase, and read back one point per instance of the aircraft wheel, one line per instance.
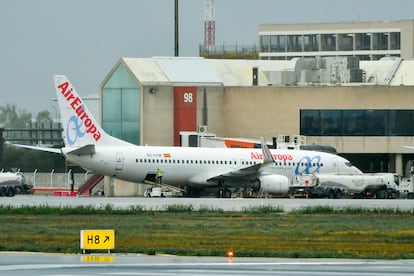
(3, 191)
(227, 193)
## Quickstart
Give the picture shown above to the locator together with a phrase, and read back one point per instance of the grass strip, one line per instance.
(257, 231)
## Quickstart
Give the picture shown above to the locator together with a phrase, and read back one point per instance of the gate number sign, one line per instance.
(97, 239)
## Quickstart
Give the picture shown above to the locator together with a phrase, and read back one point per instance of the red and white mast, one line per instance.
(209, 24)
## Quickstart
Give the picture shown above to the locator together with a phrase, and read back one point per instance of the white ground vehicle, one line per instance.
(378, 185)
(159, 192)
(12, 183)
(154, 192)
(407, 187)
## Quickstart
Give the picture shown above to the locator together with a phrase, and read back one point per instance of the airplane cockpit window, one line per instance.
(348, 164)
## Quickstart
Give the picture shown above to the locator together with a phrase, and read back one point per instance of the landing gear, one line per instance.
(223, 193)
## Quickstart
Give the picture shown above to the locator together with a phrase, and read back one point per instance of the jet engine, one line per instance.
(272, 184)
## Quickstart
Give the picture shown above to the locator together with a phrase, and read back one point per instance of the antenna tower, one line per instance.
(209, 24)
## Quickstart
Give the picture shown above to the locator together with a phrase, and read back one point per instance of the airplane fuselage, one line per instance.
(195, 166)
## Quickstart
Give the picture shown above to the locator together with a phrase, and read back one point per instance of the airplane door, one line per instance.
(335, 166)
(119, 161)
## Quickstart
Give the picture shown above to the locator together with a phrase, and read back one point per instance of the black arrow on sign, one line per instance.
(106, 239)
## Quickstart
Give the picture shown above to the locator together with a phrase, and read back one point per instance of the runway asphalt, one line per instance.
(19, 264)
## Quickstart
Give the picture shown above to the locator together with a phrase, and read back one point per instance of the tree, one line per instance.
(43, 117)
(26, 160)
(10, 117)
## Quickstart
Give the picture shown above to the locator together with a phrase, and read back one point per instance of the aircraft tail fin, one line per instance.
(80, 128)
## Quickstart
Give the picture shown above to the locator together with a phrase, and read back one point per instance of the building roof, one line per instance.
(389, 71)
(230, 72)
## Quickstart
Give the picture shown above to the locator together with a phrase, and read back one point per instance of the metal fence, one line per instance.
(228, 48)
(54, 180)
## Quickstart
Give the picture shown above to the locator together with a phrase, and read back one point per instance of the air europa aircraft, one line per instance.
(89, 146)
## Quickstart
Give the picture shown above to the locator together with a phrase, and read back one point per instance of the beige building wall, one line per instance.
(214, 99)
(269, 111)
(252, 112)
(407, 38)
(157, 116)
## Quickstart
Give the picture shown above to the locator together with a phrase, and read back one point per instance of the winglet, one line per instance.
(267, 155)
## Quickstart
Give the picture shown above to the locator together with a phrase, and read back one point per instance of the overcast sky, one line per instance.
(83, 39)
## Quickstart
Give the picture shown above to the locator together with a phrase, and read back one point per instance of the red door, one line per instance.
(185, 110)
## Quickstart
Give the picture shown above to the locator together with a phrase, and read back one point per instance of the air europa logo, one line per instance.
(281, 157)
(77, 106)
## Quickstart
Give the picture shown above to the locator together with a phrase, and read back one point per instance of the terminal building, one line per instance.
(355, 95)
(365, 40)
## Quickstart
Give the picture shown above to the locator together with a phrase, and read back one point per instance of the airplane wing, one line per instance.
(53, 150)
(248, 173)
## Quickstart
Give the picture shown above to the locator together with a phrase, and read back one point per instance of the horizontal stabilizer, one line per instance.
(85, 150)
(53, 150)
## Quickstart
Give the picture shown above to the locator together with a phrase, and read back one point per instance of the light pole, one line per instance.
(56, 113)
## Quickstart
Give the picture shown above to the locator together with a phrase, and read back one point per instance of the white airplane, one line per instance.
(89, 146)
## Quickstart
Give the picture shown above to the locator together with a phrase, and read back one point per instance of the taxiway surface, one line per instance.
(19, 264)
(231, 204)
